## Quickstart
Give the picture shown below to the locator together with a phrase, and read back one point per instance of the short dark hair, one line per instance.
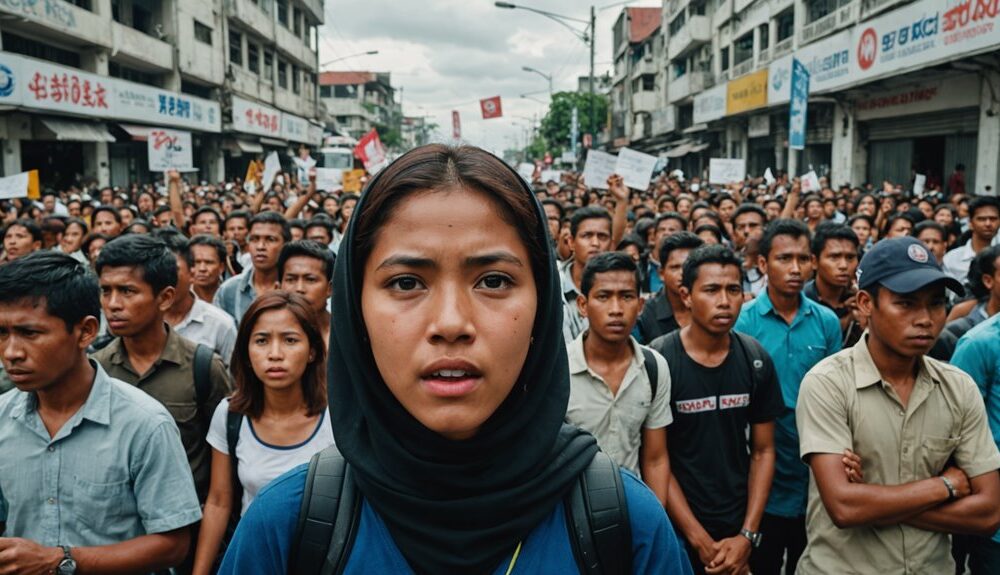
(28, 224)
(748, 208)
(782, 227)
(671, 216)
(831, 231)
(272, 218)
(682, 240)
(980, 202)
(557, 204)
(931, 225)
(208, 210)
(712, 229)
(631, 240)
(91, 238)
(176, 242)
(159, 266)
(79, 222)
(983, 264)
(710, 254)
(70, 290)
(607, 262)
(116, 214)
(160, 209)
(321, 221)
(207, 240)
(865, 217)
(309, 249)
(139, 223)
(587, 213)
(239, 215)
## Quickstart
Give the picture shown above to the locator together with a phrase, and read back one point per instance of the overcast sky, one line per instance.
(445, 55)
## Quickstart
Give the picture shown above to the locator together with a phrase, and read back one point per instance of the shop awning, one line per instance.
(244, 146)
(72, 131)
(698, 148)
(273, 143)
(679, 152)
(696, 128)
(137, 133)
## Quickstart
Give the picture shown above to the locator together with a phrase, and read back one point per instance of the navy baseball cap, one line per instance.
(903, 265)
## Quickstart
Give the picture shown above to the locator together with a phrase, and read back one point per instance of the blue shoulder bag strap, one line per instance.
(598, 522)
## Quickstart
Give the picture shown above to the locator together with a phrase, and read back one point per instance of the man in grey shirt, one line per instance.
(93, 476)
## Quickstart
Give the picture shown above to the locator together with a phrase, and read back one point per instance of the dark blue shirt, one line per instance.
(263, 540)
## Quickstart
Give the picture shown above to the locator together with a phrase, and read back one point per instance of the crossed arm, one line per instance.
(143, 554)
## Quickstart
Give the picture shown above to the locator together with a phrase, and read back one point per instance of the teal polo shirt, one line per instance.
(978, 354)
(813, 335)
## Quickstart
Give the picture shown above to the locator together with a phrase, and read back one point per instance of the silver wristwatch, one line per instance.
(753, 536)
(67, 566)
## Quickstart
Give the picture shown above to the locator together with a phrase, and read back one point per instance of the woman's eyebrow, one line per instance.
(407, 261)
(487, 259)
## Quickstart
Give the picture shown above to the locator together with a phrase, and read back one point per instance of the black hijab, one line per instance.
(455, 506)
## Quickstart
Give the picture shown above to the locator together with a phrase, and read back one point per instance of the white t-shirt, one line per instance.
(259, 462)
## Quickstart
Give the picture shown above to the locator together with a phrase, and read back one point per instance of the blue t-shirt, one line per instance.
(262, 542)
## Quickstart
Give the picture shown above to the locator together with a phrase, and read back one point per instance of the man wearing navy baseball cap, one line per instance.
(918, 425)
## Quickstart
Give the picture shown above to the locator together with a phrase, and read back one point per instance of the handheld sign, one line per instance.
(810, 182)
(919, 183)
(271, 168)
(169, 150)
(769, 177)
(328, 179)
(23, 185)
(599, 167)
(726, 171)
(635, 168)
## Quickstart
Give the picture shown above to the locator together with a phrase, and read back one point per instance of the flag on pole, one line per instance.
(456, 125)
(371, 152)
(491, 107)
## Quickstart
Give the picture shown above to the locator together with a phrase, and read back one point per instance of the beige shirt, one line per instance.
(617, 421)
(843, 403)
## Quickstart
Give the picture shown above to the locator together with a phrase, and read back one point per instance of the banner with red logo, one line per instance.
(371, 152)
(491, 107)
(456, 125)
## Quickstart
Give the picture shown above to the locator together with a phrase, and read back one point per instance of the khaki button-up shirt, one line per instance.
(171, 382)
(844, 403)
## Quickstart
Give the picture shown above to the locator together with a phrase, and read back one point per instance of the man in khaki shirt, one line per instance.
(918, 426)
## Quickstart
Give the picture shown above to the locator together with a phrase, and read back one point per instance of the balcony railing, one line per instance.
(695, 32)
(783, 47)
(836, 20)
(744, 67)
(764, 57)
(870, 8)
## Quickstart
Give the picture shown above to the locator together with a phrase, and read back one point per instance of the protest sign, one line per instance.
(599, 167)
(169, 150)
(271, 168)
(329, 179)
(769, 177)
(526, 170)
(726, 171)
(551, 176)
(919, 183)
(23, 185)
(635, 168)
(352, 181)
(810, 182)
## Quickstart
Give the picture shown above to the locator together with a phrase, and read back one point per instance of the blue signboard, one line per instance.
(797, 106)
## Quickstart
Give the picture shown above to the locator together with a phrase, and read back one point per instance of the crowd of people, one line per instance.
(457, 370)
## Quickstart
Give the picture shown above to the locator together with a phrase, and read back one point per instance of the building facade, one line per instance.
(83, 83)
(358, 102)
(897, 87)
(637, 86)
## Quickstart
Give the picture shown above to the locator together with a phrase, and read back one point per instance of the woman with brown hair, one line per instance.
(276, 416)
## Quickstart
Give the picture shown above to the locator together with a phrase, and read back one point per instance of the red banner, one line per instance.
(371, 152)
(456, 125)
(491, 107)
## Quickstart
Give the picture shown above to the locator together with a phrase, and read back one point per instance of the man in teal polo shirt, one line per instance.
(978, 354)
(797, 333)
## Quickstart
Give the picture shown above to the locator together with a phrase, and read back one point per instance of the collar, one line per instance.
(578, 359)
(172, 351)
(246, 280)
(197, 312)
(866, 374)
(96, 408)
(566, 278)
(764, 306)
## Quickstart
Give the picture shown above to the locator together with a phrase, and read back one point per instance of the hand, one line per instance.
(617, 187)
(731, 555)
(312, 175)
(959, 480)
(25, 557)
(173, 176)
(852, 466)
(706, 550)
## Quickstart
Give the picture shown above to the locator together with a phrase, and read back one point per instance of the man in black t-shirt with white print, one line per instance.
(722, 384)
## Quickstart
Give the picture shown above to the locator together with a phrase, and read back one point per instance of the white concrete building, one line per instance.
(897, 87)
(637, 84)
(357, 102)
(83, 82)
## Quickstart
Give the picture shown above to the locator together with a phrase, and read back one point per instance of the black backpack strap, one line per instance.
(598, 522)
(652, 370)
(202, 373)
(329, 516)
(234, 421)
(755, 358)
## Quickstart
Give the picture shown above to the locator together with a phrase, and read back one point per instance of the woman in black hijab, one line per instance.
(448, 386)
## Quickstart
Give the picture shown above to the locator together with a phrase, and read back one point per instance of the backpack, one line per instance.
(750, 347)
(596, 518)
(202, 373)
(652, 370)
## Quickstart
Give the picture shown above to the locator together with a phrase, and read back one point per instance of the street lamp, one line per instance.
(534, 99)
(368, 53)
(540, 73)
(586, 35)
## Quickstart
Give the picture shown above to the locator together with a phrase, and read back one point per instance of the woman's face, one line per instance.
(72, 238)
(867, 206)
(449, 299)
(279, 349)
(862, 230)
(944, 218)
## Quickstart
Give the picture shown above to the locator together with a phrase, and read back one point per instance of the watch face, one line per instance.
(66, 567)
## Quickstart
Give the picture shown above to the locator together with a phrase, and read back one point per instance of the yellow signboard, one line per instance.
(747, 93)
(352, 181)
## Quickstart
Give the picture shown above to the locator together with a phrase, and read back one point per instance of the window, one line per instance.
(196, 90)
(236, 48)
(345, 91)
(282, 74)
(202, 33)
(253, 57)
(35, 49)
(297, 22)
(116, 70)
(648, 82)
(268, 66)
(786, 24)
(680, 68)
(282, 12)
(326, 91)
(743, 48)
(677, 23)
(724, 59)
(765, 36)
(296, 85)
(85, 4)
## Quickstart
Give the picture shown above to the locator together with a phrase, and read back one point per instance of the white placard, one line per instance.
(526, 169)
(568, 157)
(810, 182)
(919, 182)
(599, 167)
(769, 177)
(169, 150)
(271, 168)
(551, 176)
(329, 179)
(15, 186)
(726, 171)
(635, 168)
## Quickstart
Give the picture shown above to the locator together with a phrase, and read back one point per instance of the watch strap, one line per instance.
(753, 536)
(951, 487)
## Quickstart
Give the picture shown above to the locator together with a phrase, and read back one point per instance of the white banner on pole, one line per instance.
(271, 168)
(810, 182)
(635, 168)
(726, 171)
(599, 167)
(169, 150)
(329, 179)
(919, 182)
(769, 177)
(15, 186)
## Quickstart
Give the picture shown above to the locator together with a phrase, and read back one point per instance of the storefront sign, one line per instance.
(41, 85)
(50, 12)
(950, 94)
(747, 93)
(169, 150)
(923, 33)
(798, 106)
(829, 62)
(759, 126)
(710, 104)
(253, 118)
(294, 128)
(315, 134)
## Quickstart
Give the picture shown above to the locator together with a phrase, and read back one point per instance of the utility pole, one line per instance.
(593, 110)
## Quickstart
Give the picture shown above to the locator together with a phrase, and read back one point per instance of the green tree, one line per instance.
(557, 123)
